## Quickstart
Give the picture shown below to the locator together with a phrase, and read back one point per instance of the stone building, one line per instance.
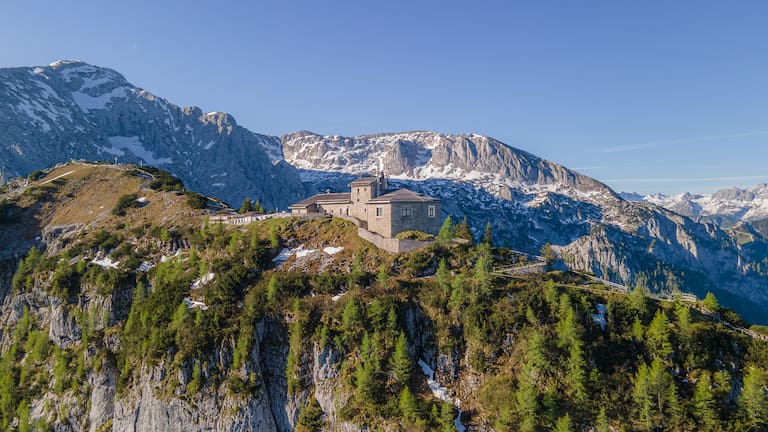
(374, 207)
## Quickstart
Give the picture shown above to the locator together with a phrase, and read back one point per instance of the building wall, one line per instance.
(359, 196)
(336, 209)
(392, 221)
(380, 224)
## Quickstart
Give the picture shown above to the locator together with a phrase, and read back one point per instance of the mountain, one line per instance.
(73, 110)
(531, 201)
(727, 207)
(123, 308)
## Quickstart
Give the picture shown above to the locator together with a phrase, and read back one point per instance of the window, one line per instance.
(405, 211)
(379, 211)
(431, 211)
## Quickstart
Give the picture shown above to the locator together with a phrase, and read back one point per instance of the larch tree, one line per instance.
(753, 401)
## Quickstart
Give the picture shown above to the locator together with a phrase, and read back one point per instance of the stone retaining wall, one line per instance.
(392, 245)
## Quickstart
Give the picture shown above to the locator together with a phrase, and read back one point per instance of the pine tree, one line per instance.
(258, 207)
(567, 329)
(710, 302)
(753, 401)
(576, 375)
(382, 277)
(292, 363)
(408, 405)
(463, 231)
(659, 383)
(247, 206)
(310, 417)
(704, 404)
(602, 421)
(351, 321)
(675, 409)
(488, 237)
(446, 233)
(527, 404)
(637, 301)
(401, 361)
(563, 424)
(443, 276)
(657, 336)
(642, 396)
(273, 291)
(683, 316)
(446, 418)
(548, 254)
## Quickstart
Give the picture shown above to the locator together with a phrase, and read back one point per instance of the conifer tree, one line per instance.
(675, 409)
(563, 424)
(258, 207)
(753, 401)
(643, 397)
(602, 421)
(401, 361)
(657, 336)
(446, 233)
(408, 405)
(446, 418)
(247, 206)
(487, 236)
(704, 404)
(443, 276)
(463, 231)
(710, 302)
(575, 373)
(547, 253)
(527, 404)
(382, 277)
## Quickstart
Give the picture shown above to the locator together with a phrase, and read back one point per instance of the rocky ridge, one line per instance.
(73, 110)
(531, 201)
(726, 207)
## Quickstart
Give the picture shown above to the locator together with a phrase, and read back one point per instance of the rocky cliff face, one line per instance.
(73, 110)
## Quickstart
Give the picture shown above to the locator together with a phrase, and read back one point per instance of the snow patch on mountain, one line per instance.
(121, 144)
(87, 102)
(734, 203)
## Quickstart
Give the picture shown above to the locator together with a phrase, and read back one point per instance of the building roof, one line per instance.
(402, 195)
(323, 198)
(364, 181)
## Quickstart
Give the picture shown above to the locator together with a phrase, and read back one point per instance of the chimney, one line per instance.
(383, 186)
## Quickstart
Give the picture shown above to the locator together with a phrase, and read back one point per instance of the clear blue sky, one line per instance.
(645, 96)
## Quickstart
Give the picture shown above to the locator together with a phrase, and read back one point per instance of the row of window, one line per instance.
(407, 211)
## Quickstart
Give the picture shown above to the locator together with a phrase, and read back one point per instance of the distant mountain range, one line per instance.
(73, 110)
(727, 207)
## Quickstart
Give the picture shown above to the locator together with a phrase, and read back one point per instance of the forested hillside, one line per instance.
(124, 308)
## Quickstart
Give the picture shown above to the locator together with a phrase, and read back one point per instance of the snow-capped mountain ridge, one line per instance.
(423, 155)
(74, 110)
(732, 204)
